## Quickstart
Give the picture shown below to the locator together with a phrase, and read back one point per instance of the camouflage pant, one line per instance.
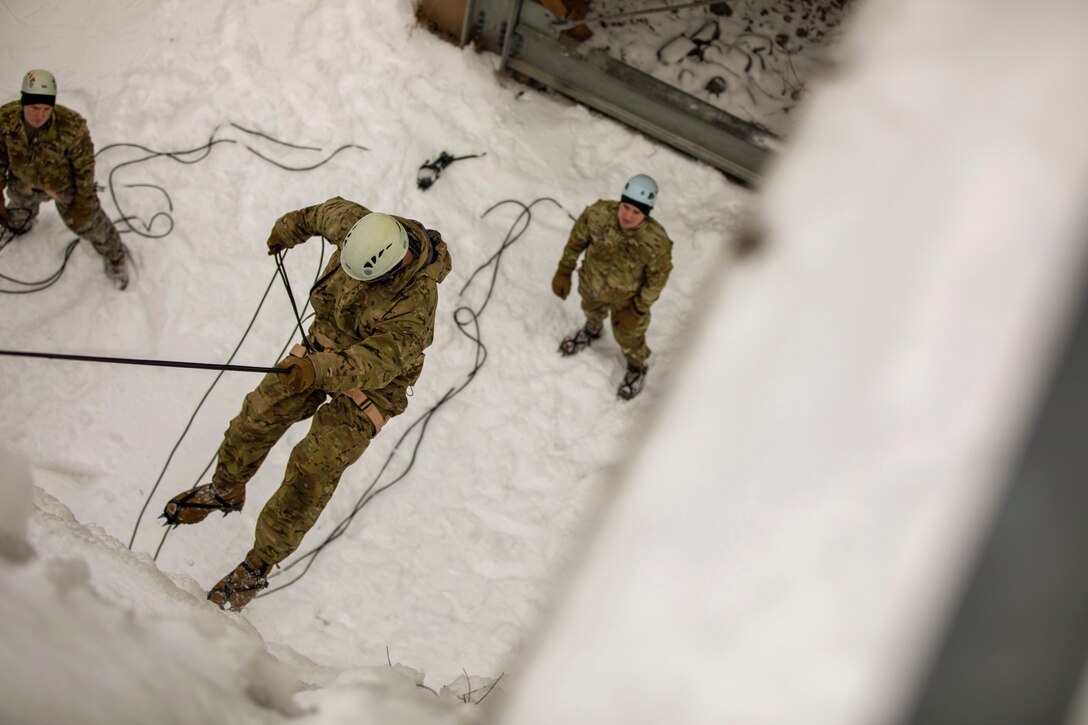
(339, 434)
(632, 340)
(99, 231)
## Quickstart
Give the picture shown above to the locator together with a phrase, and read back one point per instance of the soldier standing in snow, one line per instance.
(46, 153)
(374, 311)
(627, 263)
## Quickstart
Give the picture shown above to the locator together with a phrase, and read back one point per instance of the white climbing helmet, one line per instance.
(642, 189)
(39, 82)
(375, 244)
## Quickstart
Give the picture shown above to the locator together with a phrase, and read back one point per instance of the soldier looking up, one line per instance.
(46, 153)
(374, 311)
(627, 263)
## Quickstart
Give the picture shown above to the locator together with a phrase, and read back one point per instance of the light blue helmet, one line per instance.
(641, 192)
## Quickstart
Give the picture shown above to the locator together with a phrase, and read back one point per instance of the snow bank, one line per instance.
(16, 501)
(91, 628)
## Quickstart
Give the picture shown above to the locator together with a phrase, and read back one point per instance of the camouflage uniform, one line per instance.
(622, 269)
(54, 162)
(370, 337)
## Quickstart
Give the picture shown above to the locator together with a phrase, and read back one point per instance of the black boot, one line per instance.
(579, 341)
(237, 589)
(632, 381)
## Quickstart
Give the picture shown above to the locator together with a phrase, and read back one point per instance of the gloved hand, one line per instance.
(301, 374)
(628, 317)
(278, 240)
(561, 283)
(275, 242)
(81, 211)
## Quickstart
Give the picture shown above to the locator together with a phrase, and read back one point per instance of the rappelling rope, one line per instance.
(188, 425)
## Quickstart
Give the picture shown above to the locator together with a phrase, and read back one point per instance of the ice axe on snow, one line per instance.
(152, 363)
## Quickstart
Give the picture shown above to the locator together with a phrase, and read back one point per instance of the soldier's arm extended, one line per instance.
(81, 156)
(657, 274)
(576, 243)
(329, 219)
(395, 345)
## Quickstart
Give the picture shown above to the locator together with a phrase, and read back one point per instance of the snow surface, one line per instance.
(447, 571)
(776, 535)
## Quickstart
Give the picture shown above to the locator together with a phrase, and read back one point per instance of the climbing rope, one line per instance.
(153, 227)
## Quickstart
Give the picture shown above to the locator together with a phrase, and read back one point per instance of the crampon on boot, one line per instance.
(578, 341)
(237, 589)
(194, 505)
(632, 381)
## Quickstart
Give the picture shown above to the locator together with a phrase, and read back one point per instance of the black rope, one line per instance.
(41, 284)
(161, 542)
(291, 296)
(275, 140)
(429, 171)
(467, 320)
(140, 361)
(145, 229)
(192, 418)
(324, 161)
(207, 393)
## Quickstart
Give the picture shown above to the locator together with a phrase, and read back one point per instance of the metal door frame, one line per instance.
(528, 42)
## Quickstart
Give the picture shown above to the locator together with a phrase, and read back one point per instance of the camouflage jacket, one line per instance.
(374, 333)
(620, 265)
(60, 159)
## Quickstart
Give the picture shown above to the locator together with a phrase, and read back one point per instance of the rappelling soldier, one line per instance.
(628, 257)
(46, 154)
(374, 312)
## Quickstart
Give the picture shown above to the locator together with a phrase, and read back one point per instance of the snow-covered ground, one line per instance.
(775, 537)
(447, 571)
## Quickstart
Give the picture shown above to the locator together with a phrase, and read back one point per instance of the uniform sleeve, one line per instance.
(373, 363)
(4, 166)
(576, 243)
(657, 274)
(326, 219)
(81, 155)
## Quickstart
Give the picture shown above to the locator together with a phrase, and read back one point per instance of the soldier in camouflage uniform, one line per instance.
(46, 154)
(374, 311)
(627, 263)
